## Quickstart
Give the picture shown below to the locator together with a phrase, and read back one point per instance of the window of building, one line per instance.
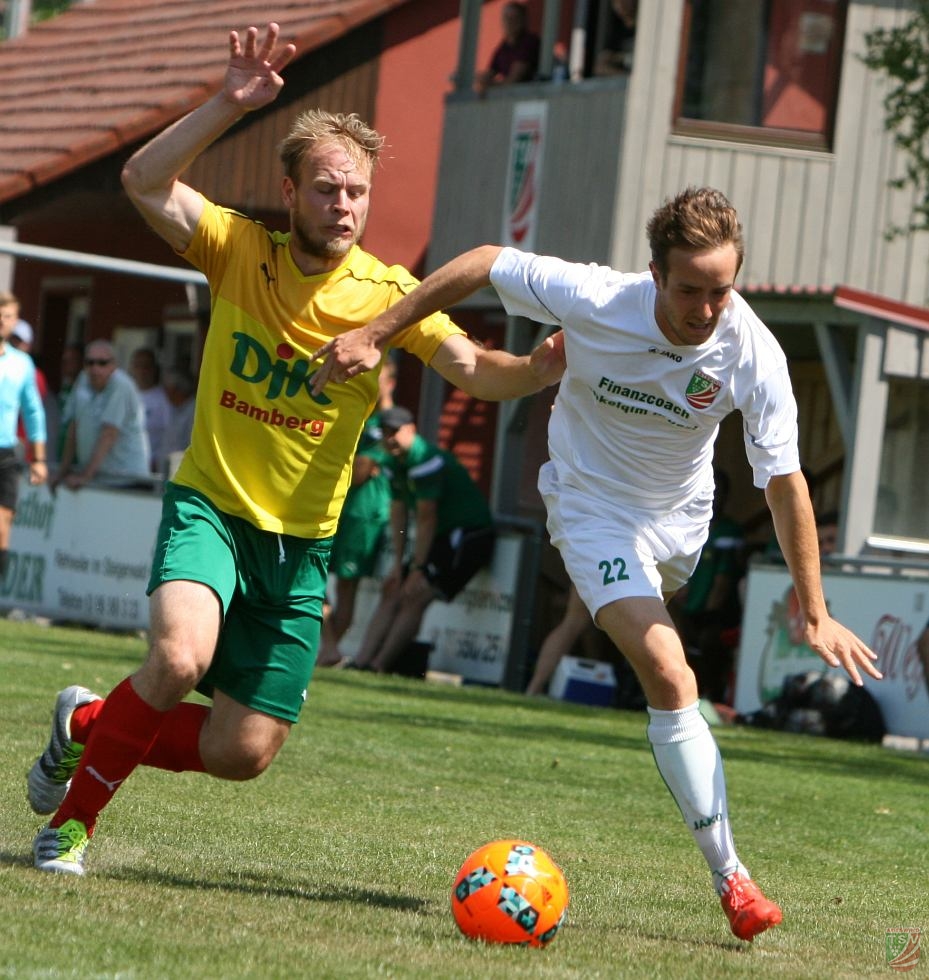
(761, 70)
(900, 508)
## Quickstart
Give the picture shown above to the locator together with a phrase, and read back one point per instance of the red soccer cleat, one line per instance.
(748, 911)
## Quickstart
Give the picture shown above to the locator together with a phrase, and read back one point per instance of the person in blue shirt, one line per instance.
(19, 395)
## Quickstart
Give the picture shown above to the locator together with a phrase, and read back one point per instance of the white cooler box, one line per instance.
(583, 681)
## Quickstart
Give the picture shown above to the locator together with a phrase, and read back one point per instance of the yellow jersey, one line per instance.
(263, 447)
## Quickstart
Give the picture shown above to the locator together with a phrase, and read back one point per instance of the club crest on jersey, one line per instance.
(701, 390)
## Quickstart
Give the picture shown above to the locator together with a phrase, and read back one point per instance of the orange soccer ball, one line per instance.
(510, 891)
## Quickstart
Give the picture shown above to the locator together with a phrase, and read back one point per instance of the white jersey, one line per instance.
(636, 417)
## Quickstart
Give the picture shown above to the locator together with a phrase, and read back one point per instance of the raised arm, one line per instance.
(788, 499)
(150, 176)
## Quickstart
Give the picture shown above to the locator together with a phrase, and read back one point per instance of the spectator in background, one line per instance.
(560, 641)
(615, 57)
(516, 57)
(17, 331)
(708, 608)
(106, 443)
(19, 396)
(363, 524)
(143, 367)
(181, 390)
(454, 538)
(21, 338)
(72, 360)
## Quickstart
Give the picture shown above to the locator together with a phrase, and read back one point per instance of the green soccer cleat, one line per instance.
(61, 849)
(50, 775)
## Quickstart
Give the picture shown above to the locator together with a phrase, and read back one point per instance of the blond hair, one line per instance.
(316, 126)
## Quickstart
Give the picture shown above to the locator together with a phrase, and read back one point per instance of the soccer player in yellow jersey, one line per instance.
(239, 571)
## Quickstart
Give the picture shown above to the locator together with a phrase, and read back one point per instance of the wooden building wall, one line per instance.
(813, 218)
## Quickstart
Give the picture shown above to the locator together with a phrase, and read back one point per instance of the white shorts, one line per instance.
(621, 552)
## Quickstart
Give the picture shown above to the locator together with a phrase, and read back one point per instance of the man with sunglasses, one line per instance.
(105, 442)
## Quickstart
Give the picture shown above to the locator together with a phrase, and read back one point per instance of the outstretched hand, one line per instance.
(345, 356)
(252, 76)
(839, 647)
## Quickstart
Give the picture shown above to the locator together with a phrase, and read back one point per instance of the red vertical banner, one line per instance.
(524, 174)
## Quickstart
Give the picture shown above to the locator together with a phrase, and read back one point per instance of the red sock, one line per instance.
(83, 719)
(124, 732)
(177, 745)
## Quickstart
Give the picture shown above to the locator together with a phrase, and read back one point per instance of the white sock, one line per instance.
(690, 764)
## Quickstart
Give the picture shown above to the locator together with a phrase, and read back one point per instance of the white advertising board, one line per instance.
(82, 557)
(887, 611)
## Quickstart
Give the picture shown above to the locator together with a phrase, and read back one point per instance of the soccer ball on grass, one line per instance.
(510, 891)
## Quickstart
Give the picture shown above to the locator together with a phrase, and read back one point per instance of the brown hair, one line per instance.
(316, 126)
(698, 218)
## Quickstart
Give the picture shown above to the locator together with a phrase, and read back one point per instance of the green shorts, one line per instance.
(271, 587)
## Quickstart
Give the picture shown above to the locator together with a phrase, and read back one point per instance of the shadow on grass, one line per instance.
(250, 883)
(244, 884)
(16, 860)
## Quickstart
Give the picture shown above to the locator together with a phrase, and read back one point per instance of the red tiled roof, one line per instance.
(110, 72)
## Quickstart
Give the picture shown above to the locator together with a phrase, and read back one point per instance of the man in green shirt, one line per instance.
(362, 532)
(454, 537)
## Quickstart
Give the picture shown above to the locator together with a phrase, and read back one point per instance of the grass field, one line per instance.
(338, 862)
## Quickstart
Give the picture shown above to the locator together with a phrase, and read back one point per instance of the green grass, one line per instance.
(338, 861)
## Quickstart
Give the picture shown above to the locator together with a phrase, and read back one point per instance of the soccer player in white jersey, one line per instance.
(655, 361)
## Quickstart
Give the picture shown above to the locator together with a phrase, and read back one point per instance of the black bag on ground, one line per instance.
(815, 703)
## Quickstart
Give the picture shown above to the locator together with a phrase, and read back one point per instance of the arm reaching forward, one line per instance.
(487, 374)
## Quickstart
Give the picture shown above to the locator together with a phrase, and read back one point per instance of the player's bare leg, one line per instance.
(237, 742)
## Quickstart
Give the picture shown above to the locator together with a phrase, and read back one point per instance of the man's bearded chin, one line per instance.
(324, 248)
